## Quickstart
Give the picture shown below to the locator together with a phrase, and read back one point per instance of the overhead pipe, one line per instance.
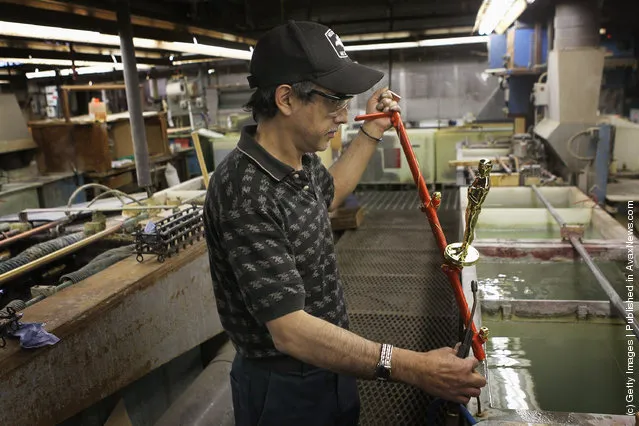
(614, 298)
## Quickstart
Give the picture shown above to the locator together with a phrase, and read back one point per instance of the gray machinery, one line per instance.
(186, 99)
(588, 146)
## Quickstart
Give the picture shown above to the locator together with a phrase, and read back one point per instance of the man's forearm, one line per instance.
(348, 170)
(438, 372)
(325, 345)
(328, 346)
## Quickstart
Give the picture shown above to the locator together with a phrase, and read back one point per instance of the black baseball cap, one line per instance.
(308, 51)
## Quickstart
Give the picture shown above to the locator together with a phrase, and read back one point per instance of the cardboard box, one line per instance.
(504, 179)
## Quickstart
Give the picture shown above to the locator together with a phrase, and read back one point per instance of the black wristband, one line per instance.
(375, 139)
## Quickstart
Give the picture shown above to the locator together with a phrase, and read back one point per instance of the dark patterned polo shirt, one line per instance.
(270, 244)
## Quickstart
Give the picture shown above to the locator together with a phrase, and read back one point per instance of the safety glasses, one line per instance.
(337, 102)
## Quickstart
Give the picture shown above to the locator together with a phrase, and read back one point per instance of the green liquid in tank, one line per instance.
(558, 366)
(519, 279)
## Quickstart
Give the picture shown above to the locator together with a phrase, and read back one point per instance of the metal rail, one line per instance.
(616, 301)
(549, 206)
(614, 298)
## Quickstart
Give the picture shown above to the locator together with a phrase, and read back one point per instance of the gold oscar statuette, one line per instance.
(463, 254)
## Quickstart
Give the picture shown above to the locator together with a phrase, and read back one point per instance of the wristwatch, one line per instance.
(383, 369)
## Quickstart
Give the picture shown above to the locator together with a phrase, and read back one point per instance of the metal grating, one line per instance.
(397, 239)
(410, 221)
(396, 292)
(389, 200)
(399, 294)
(388, 239)
(388, 262)
(399, 404)
(405, 220)
(404, 200)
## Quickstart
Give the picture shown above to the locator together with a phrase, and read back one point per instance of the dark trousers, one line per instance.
(287, 392)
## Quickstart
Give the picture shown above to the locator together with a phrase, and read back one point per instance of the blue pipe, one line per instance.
(437, 402)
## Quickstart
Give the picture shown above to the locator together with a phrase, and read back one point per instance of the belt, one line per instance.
(282, 364)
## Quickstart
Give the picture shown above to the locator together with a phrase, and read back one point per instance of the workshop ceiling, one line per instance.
(252, 17)
(238, 23)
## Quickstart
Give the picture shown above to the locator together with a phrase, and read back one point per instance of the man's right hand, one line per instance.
(439, 373)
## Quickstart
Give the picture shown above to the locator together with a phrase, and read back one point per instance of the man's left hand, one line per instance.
(383, 100)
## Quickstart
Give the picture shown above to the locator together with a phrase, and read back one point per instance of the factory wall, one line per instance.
(431, 90)
(438, 90)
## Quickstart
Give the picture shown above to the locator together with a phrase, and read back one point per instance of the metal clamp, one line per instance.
(9, 319)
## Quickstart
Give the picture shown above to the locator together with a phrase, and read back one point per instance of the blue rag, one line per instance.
(149, 228)
(33, 335)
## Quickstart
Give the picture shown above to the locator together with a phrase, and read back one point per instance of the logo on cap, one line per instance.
(337, 44)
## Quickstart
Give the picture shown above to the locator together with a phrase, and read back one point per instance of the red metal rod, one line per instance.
(431, 213)
(30, 232)
(8, 234)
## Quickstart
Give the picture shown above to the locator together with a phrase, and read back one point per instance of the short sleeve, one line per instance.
(324, 180)
(261, 257)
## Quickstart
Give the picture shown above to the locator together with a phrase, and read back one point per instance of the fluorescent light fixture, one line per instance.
(382, 46)
(194, 61)
(393, 35)
(62, 47)
(211, 71)
(511, 16)
(450, 41)
(100, 69)
(52, 62)
(40, 74)
(13, 29)
(498, 15)
(376, 36)
(5, 82)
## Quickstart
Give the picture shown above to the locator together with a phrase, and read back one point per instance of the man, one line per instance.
(273, 262)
